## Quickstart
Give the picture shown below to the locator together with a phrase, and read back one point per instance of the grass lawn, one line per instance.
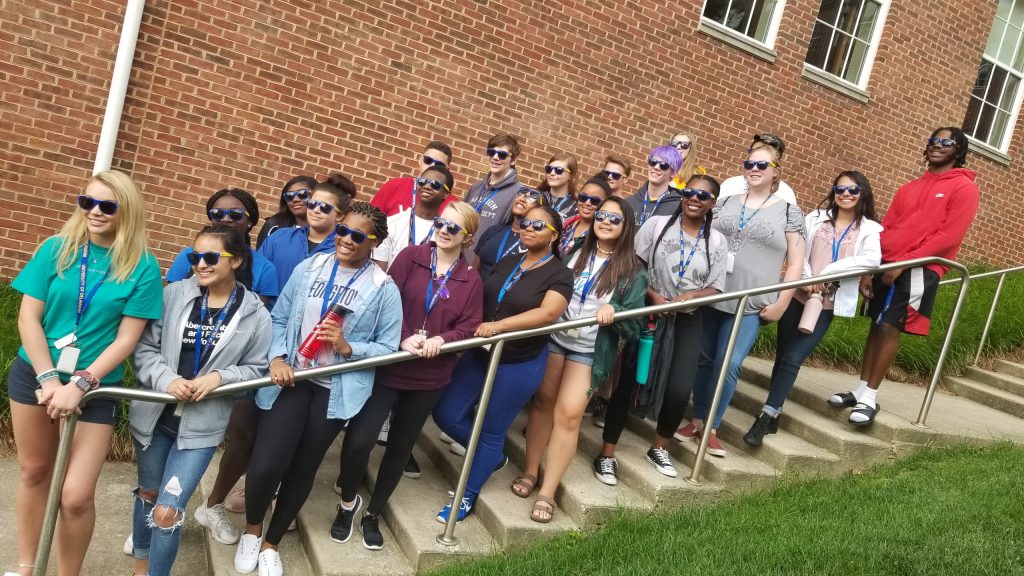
(945, 511)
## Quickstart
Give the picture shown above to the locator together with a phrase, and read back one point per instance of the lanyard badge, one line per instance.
(69, 353)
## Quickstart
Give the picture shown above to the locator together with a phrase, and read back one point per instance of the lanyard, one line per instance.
(83, 298)
(591, 278)
(888, 303)
(558, 207)
(217, 324)
(412, 228)
(479, 207)
(569, 235)
(643, 211)
(515, 275)
(837, 244)
(685, 265)
(743, 210)
(501, 248)
(442, 286)
(330, 285)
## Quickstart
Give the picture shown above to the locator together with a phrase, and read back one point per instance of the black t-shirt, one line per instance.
(526, 294)
(188, 334)
(489, 248)
(310, 247)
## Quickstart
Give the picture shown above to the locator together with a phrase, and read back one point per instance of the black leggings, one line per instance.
(682, 371)
(409, 409)
(291, 442)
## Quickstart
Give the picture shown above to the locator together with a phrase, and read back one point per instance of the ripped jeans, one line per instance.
(173, 474)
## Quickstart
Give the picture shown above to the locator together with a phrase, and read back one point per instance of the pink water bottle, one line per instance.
(311, 345)
(812, 309)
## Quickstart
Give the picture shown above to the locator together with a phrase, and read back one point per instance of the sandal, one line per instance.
(524, 485)
(843, 400)
(863, 409)
(543, 505)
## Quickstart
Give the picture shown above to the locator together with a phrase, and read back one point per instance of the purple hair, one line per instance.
(668, 154)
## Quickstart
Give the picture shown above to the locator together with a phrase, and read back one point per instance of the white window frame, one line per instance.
(999, 153)
(856, 90)
(764, 50)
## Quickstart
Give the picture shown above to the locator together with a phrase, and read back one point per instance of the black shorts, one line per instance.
(22, 386)
(907, 304)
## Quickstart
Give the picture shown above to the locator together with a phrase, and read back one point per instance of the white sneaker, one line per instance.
(129, 546)
(446, 438)
(216, 520)
(270, 563)
(382, 438)
(456, 448)
(248, 553)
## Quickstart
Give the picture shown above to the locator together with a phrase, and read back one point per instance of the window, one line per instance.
(846, 34)
(995, 99)
(755, 19)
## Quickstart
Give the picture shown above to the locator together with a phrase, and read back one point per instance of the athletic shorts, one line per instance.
(21, 388)
(907, 304)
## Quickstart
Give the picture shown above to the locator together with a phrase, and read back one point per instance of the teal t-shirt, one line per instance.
(140, 296)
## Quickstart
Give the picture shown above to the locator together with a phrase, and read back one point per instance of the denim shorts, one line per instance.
(585, 358)
(22, 385)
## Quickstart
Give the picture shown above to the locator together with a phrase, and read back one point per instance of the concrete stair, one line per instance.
(995, 389)
(1014, 369)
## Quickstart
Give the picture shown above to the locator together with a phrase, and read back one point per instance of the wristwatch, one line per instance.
(84, 380)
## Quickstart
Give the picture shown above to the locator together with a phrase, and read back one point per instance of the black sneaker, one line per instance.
(412, 468)
(595, 407)
(370, 527)
(764, 424)
(341, 529)
(606, 468)
(662, 462)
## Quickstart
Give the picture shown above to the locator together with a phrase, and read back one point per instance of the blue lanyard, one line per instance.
(888, 302)
(479, 207)
(412, 229)
(685, 265)
(501, 248)
(330, 285)
(743, 210)
(198, 356)
(837, 244)
(643, 211)
(592, 278)
(442, 286)
(83, 298)
(558, 207)
(515, 275)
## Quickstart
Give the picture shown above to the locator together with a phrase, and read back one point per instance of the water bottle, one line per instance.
(643, 355)
(812, 309)
(311, 345)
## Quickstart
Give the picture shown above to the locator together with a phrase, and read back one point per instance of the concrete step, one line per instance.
(784, 451)
(505, 516)
(988, 395)
(1001, 380)
(1015, 369)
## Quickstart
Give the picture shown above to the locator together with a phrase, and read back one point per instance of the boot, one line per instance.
(764, 424)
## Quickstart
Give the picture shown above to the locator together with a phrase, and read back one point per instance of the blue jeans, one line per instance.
(514, 384)
(174, 474)
(717, 325)
(792, 349)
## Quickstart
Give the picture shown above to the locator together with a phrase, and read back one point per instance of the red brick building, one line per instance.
(251, 92)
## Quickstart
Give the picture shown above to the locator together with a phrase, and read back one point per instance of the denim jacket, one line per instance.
(373, 328)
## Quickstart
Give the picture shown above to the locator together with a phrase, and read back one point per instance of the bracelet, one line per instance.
(91, 380)
(277, 359)
(47, 375)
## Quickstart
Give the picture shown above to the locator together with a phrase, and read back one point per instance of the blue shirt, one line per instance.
(264, 276)
(287, 247)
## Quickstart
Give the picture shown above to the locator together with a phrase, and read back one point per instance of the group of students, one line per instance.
(334, 280)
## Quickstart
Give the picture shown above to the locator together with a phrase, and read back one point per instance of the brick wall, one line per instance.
(251, 92)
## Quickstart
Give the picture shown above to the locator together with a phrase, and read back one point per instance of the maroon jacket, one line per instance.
(453, 318)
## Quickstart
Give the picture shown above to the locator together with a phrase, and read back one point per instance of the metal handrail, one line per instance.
(447, 537)
(995, 301)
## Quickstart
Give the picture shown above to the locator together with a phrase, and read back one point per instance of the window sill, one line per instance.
(736, 40)
(829, 81)
(986, 151)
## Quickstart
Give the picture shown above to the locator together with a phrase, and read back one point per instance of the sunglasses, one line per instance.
(220, 214)
(211, 258)
(535, 225)
(587, 199)
(702, 195)
(434, 184)
(108, 207)
(501, 154)
(851, 190)
(292, 195)
(320, 205)
(944, 142)
(559, 170)
(680, 144)
(358, 237)
(449, 226)
(433, 161)
(661, 165)
(612, 175)
(529, 194)
(610, 217)
(759, 164)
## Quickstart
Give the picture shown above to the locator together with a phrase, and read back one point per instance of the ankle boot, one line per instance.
(764, 424)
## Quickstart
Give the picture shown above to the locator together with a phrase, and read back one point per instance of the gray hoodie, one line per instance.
(493, 203)
(240, 354)
(664, 206)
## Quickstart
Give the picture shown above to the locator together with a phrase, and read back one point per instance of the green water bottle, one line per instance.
(643, 354)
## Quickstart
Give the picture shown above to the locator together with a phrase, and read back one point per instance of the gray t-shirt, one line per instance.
(759, 249)
(663, 264)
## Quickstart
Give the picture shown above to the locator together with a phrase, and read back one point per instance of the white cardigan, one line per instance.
(867, 255)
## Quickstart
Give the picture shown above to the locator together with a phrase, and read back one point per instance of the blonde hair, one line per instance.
(470, 218)
(130, 229)
(776, 158)
(690, 166)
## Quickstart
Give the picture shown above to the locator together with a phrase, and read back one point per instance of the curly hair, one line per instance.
(247, 200)
(380, 221)
(956, 135)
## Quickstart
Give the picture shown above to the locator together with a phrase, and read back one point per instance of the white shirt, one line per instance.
(398, 235)
(582, 339)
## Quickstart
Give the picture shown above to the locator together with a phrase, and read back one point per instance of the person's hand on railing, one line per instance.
(47, 389)
(867, 286)
(205, 384)
(890, 276)
(772, 312)
(605, 315)
(281, 373)
(657, 300)
(181, 389)
(65, 401)
(431, 347)
(413, 344)
(488, 329)
(330, 331)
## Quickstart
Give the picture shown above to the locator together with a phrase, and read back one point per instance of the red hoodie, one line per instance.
(395, 195)
(930, 216)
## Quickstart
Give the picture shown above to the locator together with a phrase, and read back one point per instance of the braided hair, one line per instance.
(708, 218)
(247, 200)
(380, 221)
(957, 135)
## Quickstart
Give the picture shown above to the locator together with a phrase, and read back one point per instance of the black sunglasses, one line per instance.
(320, 205)
(358, 237)
(536, 225)
(851, 190)
(433, 161)
(702, 195)
(449, 226)
(661, 165)
(679, 144)
(612, 175)
(108, 207)
(530, 194)
(559, 170)
(587, 199)
(759, 164)
(612, 218)
(434, 184)
(300, 194)
(211, 258)
(944, 142)
(220, 214)
(501, 154)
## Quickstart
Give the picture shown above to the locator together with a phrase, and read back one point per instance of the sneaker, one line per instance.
(370, 527)
(129, 546)
(714, 448)
(382, 438)
(606, 468)
(502, 464)
(457, 449)
(464, 509)
(446, 438)
(412, 468)
(662, 463)
(235, 502)
(270, 563)
(595, 407)
(686, 433)
(599, 421)
(764, 424)
(247, 555)
(337, 486)
(215, 518)
(341, 529)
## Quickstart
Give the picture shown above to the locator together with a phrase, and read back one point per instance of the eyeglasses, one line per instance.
(108, 207)
(851, 190)
(292, 195)
(501, 154)
(358, 237)
(529, 194)
(220, 214)
(559, 170)
(211, 258)
(680, 144)
(702, 195)
(433, 161)
(587, 199)
(320, 205)
(661, 165)
(611, 217)
(613, 175)
(944, 142)
(536, 225)
(759, 164)
(449, 226)
(436, 185)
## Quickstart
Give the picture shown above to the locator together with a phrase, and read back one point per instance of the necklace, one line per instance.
(608, 252)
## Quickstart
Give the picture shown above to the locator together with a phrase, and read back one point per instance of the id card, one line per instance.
(66, 341)
(421, 333)
(730, 260)
(68, 361)
(573, 333)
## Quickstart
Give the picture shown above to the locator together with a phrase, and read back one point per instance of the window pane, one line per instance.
(738, 15)
(716, 9)
(829, 10)
(1004, 9)
(761, 19)
(855, 66)
(994, 39)
(995, 87)
(837, 54)
(1009, 45)
(995, 137)
(868, 18)
(848, 16)
(973, 111)
(988, 113)
(1017, 14)
(1009, 92)
(818, 49)
(984, 75)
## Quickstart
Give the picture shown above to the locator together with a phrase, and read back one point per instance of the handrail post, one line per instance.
(940, 363)
(988, 321)
(723, 374)
(67, 435)
(447, 538)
